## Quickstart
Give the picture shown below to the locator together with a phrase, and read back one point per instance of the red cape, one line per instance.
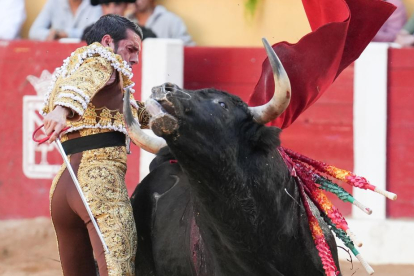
(341, 29)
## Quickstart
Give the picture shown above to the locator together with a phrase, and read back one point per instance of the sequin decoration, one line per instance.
(99, 120)
(101, 175)
(82, 75)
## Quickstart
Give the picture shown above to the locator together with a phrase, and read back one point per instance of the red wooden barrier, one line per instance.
(400, 143)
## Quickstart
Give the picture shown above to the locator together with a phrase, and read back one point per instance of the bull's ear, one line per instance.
(266, 138)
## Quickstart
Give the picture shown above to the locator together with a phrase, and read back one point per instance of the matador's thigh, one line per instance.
(101, 174)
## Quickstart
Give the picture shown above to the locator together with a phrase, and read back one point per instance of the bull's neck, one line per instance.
(236, 200)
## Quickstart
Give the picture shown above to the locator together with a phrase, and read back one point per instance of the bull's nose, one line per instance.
(168, 90)
(170, 87)
(158, 92)
(173, 90)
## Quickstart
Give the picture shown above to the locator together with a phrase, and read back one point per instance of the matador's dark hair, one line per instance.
(114, 25)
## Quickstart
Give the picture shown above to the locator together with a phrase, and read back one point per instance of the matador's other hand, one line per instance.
(55, 121)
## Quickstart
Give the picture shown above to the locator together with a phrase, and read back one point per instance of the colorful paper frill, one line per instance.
(312, 178)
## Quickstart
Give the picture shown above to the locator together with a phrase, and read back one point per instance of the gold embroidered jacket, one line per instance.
(81, 77)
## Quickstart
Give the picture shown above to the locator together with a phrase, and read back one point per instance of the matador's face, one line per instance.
(129, 48)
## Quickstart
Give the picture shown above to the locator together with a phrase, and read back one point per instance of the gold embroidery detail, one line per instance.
(109, 120)
(92, 131)
(68, 102)
(118, 120)
(89, 118)
(83, 75)
(89, 78)
(105, 118)
(101, 174)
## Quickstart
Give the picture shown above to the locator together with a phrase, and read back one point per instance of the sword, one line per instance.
(76, 182)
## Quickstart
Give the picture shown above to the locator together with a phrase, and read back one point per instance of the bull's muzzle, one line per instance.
(159, 93)
(161, 122)
(168, 90)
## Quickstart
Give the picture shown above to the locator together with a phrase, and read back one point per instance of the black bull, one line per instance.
(220, 200)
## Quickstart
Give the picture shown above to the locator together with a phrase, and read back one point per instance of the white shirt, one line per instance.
(166, 24)
(57, 14)
(13, 15)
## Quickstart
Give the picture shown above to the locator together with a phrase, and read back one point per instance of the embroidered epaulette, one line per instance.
(82, 74)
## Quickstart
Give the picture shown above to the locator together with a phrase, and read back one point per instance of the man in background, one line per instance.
(162, 22)
(13, 15)
(64, 19)
(405, 37)
(117, 7)
(393, 25)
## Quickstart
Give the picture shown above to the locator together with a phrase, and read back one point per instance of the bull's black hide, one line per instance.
(229, 206)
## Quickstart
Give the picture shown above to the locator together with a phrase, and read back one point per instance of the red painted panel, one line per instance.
(400, 143)
(400, 58)
(235, 70)
(21, 196)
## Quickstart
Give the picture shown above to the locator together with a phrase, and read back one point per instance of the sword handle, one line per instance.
(41, 141)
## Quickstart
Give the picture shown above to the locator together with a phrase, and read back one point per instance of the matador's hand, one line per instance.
(55, 121)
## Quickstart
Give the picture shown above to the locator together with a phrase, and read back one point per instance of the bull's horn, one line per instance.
(137, 135)
(281, 98)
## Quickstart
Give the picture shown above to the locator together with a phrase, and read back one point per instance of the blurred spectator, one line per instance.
(112, 6)
(13, 15)
(117, 7)
(405, 37)
(64, 18)
(393, 25)
(162, 22)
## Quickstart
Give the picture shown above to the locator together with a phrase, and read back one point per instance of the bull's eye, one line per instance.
(223, 105)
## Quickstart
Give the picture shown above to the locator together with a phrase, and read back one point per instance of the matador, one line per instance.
(87, 96)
